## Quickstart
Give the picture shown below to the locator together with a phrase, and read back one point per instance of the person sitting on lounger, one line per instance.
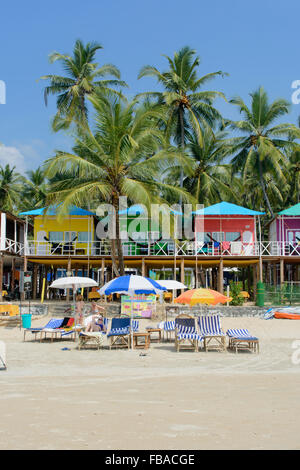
(95, 324)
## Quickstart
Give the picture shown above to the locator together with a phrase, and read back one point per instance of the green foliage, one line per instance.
(235, 291)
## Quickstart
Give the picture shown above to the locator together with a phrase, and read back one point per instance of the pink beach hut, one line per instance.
(284, 232)
(226, 229)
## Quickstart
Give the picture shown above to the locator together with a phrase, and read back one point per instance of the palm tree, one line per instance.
(260, 150)
(35, 189)
(187, 105)
(11, 184)
(83, 77)
(209, 181)
(123, 156)
(293, 176)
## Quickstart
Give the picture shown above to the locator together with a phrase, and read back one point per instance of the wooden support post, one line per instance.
(69, 274)
(46, 283)
(244, 278)
(25, 269)
(34, 281)
(281, 272)
(182, 272)
(12, 278)
(221, 277)
(254, 281)
(102, 271)
(248, 279)
(143, 267)
(274, 274)
(210, 276)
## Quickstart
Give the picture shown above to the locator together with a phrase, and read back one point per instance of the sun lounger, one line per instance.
(186, 335)
(169, 328)
(93, 337)
(242, 339)
(54, 323)
(66, 330)
(119, 333)
(211, 332)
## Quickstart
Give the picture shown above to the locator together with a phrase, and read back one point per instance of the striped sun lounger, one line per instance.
(242, 339)
(119, 333)
(211, 332)
(169, 328)
(93, 337)
(186, 335)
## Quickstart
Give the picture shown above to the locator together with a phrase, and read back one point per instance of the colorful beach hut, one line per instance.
(285, 229)
(72, 233)
(227, 228)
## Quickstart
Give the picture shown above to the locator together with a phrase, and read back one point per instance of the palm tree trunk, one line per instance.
(118, 240)
(261, 178)
(182, 146)
(113, 257)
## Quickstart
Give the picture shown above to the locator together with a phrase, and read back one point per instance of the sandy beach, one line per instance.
(120, 399)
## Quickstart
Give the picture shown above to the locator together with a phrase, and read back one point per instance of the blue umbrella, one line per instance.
(131, 285)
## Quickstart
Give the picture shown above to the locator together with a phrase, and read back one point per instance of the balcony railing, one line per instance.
(13, 247)
(163, 248)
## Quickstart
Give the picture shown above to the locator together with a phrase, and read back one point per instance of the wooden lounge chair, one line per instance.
(119, 333)
(211, 332)
(186, 335)
(93, 337)
(64, 331)
(169, 329)
(54, 323)
(241, 339)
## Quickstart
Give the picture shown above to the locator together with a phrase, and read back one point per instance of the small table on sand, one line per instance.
(157, 339)
(145, 344)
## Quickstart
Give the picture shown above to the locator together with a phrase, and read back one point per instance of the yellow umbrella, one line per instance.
(244, 294)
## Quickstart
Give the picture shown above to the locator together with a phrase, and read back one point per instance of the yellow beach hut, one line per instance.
(69, 234)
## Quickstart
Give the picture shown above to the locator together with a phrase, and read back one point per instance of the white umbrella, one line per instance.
(171, 284)
(73, 282)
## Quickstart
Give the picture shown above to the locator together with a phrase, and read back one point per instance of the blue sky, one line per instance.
(255, 42)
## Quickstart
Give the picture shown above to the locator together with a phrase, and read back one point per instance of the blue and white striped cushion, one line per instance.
(66, 333)
(135, 325)
(169, 325)
(187, 332)
(210, 325)
(119, 331)
(240, 333)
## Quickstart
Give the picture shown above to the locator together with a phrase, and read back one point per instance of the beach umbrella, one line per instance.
(73, 282)
(172, 285)
(202, 296)
(131, 285)
(244, 294)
